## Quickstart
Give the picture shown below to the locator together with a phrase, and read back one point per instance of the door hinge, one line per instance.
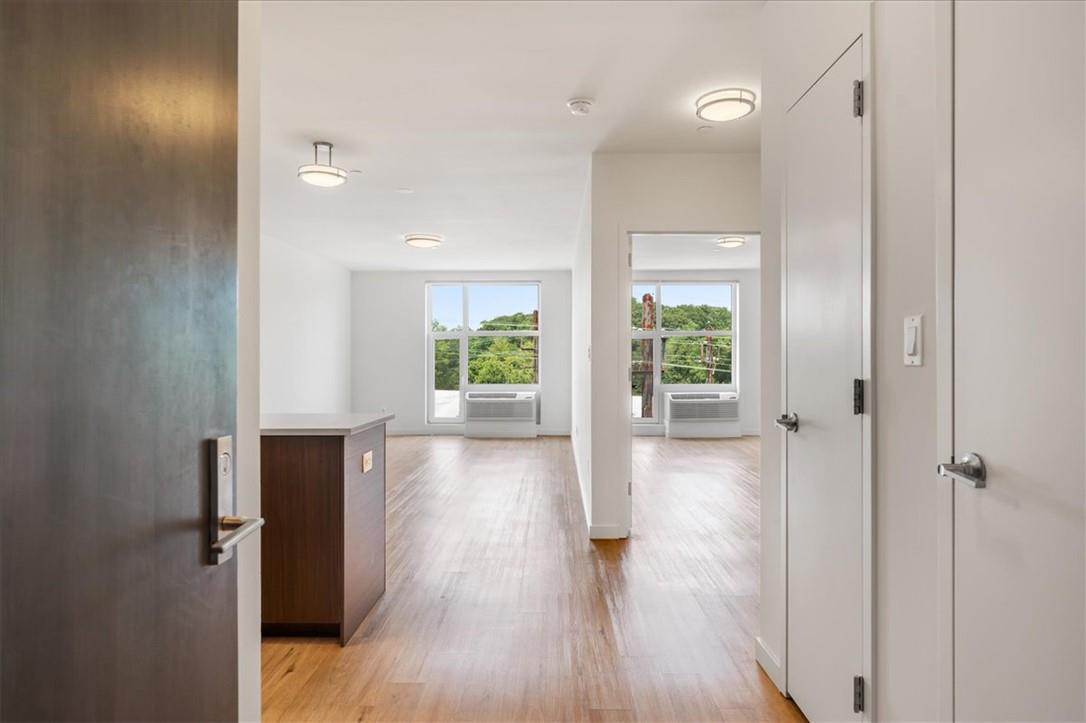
(857, 396)
(857, 98)
(858, 694)
(629, 489)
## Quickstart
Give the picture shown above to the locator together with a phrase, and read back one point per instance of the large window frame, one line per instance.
(658, 334)
(464, 334)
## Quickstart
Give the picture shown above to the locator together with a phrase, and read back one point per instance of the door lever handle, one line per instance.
(970, 470)
(787, 422)
(242, 527)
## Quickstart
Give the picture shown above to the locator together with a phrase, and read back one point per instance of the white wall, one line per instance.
(388, 309)
(800, 40)
(646, 192)
(305, 330)
(581, 382)
(247, 434)
(748, 340)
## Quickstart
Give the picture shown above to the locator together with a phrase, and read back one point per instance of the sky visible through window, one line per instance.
(486, 301)
(681, 294)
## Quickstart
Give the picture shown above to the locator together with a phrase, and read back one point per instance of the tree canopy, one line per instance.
(689, 360)
(491, 359)
(687, 317)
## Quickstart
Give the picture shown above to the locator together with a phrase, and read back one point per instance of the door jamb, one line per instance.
(867, 422)
(625, 236)
(944, 355)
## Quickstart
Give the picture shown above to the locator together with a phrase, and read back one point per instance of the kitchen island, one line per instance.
(322, 486)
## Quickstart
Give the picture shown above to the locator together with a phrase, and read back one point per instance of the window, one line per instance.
(683, 336)
(498, 344)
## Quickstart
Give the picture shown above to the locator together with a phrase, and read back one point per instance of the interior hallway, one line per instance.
(498, 607)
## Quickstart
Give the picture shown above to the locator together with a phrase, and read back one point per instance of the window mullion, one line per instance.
(464, 333)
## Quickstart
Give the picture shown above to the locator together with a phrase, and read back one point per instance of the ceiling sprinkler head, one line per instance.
(579, 106)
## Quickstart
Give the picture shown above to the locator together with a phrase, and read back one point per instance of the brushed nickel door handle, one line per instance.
(225, 527)
(787, 422)
(970, 470)
(242, 527)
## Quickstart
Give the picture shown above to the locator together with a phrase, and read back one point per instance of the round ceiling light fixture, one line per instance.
(322, 174)
(423, 240)
(730, 242)
(726, 104)
(579, 106)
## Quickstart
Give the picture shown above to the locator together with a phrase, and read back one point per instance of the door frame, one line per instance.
(624, 235)
(944, 355)
(867, 421)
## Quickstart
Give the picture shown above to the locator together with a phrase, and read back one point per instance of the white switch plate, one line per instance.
(914, 341)
(367, 461)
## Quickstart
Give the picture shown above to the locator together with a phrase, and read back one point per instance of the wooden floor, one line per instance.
(499, 608)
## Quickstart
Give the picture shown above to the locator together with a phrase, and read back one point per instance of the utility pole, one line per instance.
(648, 322)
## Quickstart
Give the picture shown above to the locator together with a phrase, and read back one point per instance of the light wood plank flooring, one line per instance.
(498, 608)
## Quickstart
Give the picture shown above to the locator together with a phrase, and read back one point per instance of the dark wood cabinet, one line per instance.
(323, 497)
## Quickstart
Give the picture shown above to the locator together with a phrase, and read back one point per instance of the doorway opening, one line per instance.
(694, 394)
(694, 314)
(694, 308)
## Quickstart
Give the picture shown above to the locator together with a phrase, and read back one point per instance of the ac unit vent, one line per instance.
(494, 409)
(500, 414)
(702, 414)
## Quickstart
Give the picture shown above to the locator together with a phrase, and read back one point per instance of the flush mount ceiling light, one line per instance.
(322, 174)
(726, 104)
(579, 106)
(423, 240)
(730, 242)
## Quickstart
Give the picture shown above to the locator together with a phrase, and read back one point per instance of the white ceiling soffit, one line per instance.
(694, 252)
(465, 104)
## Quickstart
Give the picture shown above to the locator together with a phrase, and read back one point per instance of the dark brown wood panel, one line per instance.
(301, 492)
(363, 529)
(117, 355)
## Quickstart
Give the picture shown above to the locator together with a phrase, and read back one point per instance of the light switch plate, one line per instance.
(367, 462)
(914, 341)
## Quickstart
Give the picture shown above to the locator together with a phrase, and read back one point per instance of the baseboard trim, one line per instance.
(583, 482)
(770, 664)
(608, 532)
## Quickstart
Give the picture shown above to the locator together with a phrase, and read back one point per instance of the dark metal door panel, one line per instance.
(117, 357)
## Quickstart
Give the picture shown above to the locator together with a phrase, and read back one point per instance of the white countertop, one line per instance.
(335, 425)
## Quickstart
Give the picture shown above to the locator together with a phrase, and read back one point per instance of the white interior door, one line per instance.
(1018, 360)
(824, 347)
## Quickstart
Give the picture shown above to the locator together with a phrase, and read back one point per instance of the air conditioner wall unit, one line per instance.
(702, 415)
(500, 414)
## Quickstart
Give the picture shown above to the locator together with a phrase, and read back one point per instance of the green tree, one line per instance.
(502, 360)
(491, 359)
(687, 317)
(693, 360)
(447, 364)
(520, 321)
(689, 359)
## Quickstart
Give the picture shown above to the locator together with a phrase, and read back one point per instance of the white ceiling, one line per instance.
(694, 252)
(464, 102)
